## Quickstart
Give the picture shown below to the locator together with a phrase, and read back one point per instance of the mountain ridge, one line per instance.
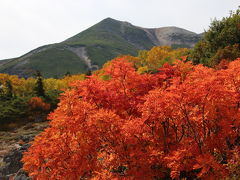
(91, 48)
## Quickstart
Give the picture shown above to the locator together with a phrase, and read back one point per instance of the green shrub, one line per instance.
(13, 109)
(221, 34)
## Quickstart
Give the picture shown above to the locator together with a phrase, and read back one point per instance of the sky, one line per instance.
(28, 24)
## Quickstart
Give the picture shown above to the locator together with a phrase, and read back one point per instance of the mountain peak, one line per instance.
(109, 19)
(91, 48)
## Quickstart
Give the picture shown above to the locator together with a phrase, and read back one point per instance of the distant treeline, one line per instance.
(23, 100)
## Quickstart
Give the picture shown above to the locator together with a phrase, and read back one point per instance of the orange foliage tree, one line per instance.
(182, 122)
(37, 104)
(38, 109)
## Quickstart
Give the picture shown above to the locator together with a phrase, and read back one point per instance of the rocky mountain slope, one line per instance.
(91, 48)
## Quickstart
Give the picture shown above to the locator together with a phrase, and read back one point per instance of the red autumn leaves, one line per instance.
(180, 122)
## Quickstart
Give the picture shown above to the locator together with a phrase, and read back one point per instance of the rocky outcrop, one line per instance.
(13, 164)
(21, 175)
(82, 54)
(12, 146)
(169, 36)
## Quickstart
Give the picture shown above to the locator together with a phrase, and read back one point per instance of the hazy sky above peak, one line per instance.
(28, 24)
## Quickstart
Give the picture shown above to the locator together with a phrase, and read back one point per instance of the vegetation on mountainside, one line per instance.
(56, 62)
(113, 33)
(53, 62)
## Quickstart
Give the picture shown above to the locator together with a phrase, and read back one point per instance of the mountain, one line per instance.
(91, 48)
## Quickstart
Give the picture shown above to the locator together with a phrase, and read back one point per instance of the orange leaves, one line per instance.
(180, 160)
(36, 103)
(184, 119)
(209, 167)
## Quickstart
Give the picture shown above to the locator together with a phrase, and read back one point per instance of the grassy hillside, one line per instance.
(112, 32)
(90, 48)
(53, 62)
(110, 38)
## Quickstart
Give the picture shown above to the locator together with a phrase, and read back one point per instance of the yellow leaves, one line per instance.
(13, 78)
(15, 81)
(61, 84)
(157, 56)
(142, 70)
(25, 87)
